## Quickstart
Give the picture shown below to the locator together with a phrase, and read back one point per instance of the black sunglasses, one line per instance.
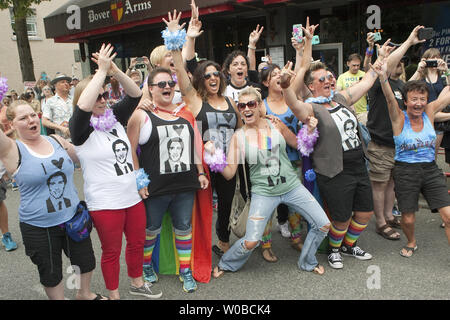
(251, 105)
(208, 75)
(322, 78)
(163, 84)
(104, 95)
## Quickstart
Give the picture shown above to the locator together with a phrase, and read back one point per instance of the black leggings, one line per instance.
(225, 193)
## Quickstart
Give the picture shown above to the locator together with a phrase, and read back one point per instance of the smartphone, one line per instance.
(315, 40)
(425, 33)
(376, 36)
(265, 59)
(297, 32)
(431, 63)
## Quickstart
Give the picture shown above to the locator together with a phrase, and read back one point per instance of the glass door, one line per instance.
(331, 55)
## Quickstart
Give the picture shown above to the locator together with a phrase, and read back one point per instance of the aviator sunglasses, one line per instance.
(104, 95)
(328, 77)
(208, 75)
(251, 105)
(163, 84)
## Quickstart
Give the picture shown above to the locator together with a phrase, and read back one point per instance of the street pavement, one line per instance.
(388, 276)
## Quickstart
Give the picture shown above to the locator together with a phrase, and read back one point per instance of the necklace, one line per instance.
(103, 122)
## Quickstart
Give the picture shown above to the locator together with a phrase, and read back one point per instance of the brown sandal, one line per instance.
(394, 223)
(268, 255)
(387, 234)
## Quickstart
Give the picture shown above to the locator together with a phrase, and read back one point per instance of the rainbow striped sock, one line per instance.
(354, 231)
(183, 243)
(335, 237)
(149, 244)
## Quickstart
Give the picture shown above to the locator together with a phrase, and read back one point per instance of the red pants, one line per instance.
(110, 225)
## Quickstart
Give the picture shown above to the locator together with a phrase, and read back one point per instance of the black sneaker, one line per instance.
(356, 252)
(335, 259)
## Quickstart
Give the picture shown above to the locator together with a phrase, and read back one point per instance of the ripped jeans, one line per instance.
(261, 208)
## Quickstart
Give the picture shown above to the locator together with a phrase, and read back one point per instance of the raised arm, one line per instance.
(395, 113)
(369, 52)
(300, 109)
(398, 54)
(190, 95)
(193, 32)
(252, 42)
(354, 93)
(440, 103)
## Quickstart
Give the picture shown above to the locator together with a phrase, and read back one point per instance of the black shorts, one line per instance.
(44, 246)
(3, 187)
(348, 191)
(411, 179)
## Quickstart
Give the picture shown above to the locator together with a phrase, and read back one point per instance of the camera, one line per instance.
(425, 33)
(431, 63)
(140, 66)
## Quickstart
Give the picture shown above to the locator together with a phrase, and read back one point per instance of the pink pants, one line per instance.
(110, 225)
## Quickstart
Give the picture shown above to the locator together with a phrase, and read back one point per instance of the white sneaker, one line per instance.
(284, 229)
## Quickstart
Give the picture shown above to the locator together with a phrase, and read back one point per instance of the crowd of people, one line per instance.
(310, 146)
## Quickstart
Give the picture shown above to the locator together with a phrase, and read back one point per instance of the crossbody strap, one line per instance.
(242, 156)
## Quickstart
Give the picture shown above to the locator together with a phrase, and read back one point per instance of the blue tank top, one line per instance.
(414, 147)
(291, 122)
(47, 193)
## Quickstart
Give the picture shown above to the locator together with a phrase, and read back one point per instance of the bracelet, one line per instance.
(202, 174)
(142, 179)
(174, 40)
(250, 47)
(369, 52)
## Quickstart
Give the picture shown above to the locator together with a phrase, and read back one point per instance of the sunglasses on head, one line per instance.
(104, 95)
(251, 105)
(208, 75)
(322, 78)
(163, 84)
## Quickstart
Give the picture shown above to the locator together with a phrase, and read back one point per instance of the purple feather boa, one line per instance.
(306, 141)
(3, 87)
(217, 161)
(104, 122)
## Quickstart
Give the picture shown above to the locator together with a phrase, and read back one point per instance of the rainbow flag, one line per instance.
(264, 141)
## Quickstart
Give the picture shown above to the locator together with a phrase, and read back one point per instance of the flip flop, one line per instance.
(273, 258)
(408, 249)
(317, 270)
(100, 297)
(220, 272)
(217, 251)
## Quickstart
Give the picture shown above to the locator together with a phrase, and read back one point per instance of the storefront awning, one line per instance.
(77, 20)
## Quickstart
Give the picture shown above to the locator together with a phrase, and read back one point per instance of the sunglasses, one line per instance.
(322, 78)
(208, 75)
(104, 95)
(163, 84)
(251, 105)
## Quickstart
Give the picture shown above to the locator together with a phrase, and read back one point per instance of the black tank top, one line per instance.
(168, 157)
(217, 125)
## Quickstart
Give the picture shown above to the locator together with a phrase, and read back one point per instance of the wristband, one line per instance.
(369, 52)
(202, 174)
(174, 40)
(142, 179)
(250, 47)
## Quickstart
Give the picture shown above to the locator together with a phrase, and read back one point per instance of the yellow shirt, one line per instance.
(347, 80)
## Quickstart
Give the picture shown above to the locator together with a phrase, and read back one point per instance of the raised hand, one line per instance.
(311, 122)
(370, 39)
(174, 21)
(194, 10)
(308, 31)
(413, 37)
(286, 75)
(380, 68)
(385, 50)
(298, 46)
(255, 35)
(104, 59)
(194, 28)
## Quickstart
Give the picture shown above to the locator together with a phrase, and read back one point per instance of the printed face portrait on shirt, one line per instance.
(349, 127)
(120, 150)
(174, 148)
(221, 128)
(56, 185)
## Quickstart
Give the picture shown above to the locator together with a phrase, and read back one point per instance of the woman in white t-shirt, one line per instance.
(110, 186)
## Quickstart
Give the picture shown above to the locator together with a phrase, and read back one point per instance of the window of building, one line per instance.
(31, 22)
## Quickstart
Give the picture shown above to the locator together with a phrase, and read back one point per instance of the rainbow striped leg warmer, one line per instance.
(354, 231)
(183, 243)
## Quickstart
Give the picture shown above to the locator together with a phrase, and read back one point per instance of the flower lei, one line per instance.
(174, 40)
(306, 141)
(217, 161)
(3, 87)
(104, 122)
(321, 99)
(142, 179)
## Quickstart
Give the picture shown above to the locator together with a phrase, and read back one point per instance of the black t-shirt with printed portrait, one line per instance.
(378, 120)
